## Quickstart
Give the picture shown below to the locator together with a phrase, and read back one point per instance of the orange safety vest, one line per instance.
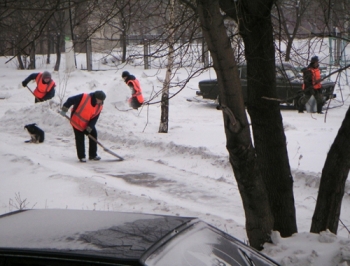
(138, 93)
(41, 88)
(316, 77)
(84, 113)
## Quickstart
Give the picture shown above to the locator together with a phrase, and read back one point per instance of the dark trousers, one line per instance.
(80, 143)
(134, 103)
(319, 99)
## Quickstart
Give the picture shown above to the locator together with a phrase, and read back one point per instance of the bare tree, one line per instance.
(243, 157)
(289, 17)
(334, 174)
(59, 23)
(164, 116)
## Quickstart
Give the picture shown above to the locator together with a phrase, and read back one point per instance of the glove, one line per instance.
(87, 131)
(24, 83)
(63, 111)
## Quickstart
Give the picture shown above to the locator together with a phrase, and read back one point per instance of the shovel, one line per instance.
(99, 143)
(33, 94)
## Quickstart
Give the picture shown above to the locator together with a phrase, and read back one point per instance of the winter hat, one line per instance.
(100, 95)
(46, 74)
(314, 59)
(125, 74)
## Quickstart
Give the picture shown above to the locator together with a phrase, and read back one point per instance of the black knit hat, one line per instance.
(100, 95)
(314, 59)
(125, 74)
(46, 74)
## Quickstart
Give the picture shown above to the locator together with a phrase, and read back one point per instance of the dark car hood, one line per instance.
(108, 234)
(214, 81)
(292, 81)
(328, 83)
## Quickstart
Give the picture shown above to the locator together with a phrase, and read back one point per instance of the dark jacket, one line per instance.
(75, 100)
(48, 95)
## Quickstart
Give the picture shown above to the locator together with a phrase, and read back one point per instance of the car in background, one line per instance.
(84, 237)
(288, 85)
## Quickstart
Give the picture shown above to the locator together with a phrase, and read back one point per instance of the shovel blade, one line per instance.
(114, 154)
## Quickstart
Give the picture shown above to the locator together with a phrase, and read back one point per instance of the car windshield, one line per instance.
(285, 73)
(290, 74)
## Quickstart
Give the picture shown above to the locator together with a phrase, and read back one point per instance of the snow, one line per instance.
(184, 172)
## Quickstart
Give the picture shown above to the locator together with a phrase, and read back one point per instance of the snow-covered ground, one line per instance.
(184, 172)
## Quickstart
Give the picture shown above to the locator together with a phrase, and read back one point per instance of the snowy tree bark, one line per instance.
(255, 27)
(164, 118)
(334, 175)
(259, 219)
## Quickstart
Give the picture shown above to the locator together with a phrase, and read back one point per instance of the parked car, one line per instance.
(82, 237)
(288, 84)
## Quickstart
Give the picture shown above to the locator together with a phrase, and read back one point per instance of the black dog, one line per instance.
(37, 135)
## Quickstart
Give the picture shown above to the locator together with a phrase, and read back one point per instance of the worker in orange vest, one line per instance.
(312, 85)
(136, 99)
(45, 86)
(84, 115)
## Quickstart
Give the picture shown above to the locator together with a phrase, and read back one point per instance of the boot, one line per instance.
(96, 158)
(319, 108)
(301, 109)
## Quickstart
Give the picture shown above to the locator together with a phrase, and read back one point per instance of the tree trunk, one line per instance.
(270, 142)
(164, 118)
(259, 219)
(334, 175)
(205, 54)
(20, 62)
(32, 56)
(123, 42)
(58, 52)
(48, 43)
